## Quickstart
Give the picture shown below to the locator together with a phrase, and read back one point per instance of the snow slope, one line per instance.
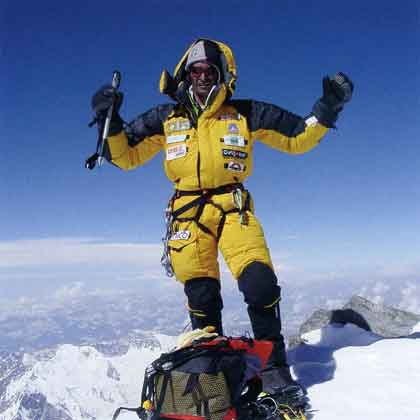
(82, 382)
(353, 374)
(350, 374)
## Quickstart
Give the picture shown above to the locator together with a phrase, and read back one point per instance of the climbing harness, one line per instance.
(203, 198)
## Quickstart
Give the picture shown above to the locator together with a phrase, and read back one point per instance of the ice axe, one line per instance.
(98, 156)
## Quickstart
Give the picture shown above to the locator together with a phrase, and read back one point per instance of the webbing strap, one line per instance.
(223, 189)
(199, 200)
(197, 220)
(221, 226)
(166, 378)
(147, 390)
(137, 410)
(204, 400)
(203, 195)
(146, 394)
(202, 200)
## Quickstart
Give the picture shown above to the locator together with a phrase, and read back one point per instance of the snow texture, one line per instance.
(360, 361)
(350, 373)
(353, 374)
(78, 383)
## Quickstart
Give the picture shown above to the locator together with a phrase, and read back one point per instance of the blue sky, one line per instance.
(349, 207)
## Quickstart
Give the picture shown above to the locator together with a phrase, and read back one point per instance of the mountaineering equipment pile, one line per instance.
(212, 379)
(98, 156)
(279, 407)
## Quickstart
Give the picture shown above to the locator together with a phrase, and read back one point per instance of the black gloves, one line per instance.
(103, 98)
(336, 92)
(102, 101)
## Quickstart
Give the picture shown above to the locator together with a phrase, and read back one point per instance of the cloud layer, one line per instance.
(69, 251)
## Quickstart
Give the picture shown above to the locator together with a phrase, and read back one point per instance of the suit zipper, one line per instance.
(198, 170)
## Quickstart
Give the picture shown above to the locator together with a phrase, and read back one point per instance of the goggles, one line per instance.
(208, 72)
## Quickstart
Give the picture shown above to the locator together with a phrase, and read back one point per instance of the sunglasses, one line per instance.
(196, 72)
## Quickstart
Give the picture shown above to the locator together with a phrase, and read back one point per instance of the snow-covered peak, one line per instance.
(349, 373)
(80, 382)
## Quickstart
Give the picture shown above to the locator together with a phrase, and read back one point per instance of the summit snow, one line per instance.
(350, 371)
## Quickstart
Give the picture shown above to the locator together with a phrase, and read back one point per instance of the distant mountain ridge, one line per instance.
(75, 382)
(108, 320)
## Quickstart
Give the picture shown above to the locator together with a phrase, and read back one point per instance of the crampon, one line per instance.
(289, 405)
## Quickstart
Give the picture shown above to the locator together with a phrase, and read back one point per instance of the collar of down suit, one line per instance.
(214, 100)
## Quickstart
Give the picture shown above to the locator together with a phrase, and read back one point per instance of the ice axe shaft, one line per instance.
(116, 80)
(98, 156)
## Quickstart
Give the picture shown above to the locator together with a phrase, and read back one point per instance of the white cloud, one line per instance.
(331, 304)
(38, 266)
(70, 251)
(289, 237)
(381, 288)
(397, 269)
(411, 297)
(73, 290)
(376, 291)
(41, 266)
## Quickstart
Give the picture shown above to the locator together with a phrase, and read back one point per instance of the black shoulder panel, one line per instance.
(265, 116)
(244, 107)
(148, 124)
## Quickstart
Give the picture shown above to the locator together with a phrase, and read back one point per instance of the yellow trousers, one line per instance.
(194, 244)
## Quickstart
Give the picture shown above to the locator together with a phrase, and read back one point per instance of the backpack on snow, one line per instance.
(209, 380)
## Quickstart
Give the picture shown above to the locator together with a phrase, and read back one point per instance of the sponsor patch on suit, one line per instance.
(233, 128)
(179, 125)
(176, 152)
(176, 138)
(234, 140)
(235, 166)
(229, 116)
(230, 153)
(181, 235)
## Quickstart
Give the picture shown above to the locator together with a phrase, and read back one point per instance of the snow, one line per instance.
(353, 374)
(416, 329)
(84, 381)
(349, 374)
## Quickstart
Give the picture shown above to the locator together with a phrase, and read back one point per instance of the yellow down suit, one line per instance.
(210, 153)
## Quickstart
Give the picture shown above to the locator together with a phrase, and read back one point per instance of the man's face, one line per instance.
(203, 76)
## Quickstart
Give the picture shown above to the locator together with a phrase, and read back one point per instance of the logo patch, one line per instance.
(179, 125)
(175, 138)
(233, 128)
(181, 235)
(227, 117)
(176, 152)
(232, 140)
(235, 166)
(229, 153)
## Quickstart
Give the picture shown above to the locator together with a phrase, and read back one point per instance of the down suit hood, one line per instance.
(175, 86)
